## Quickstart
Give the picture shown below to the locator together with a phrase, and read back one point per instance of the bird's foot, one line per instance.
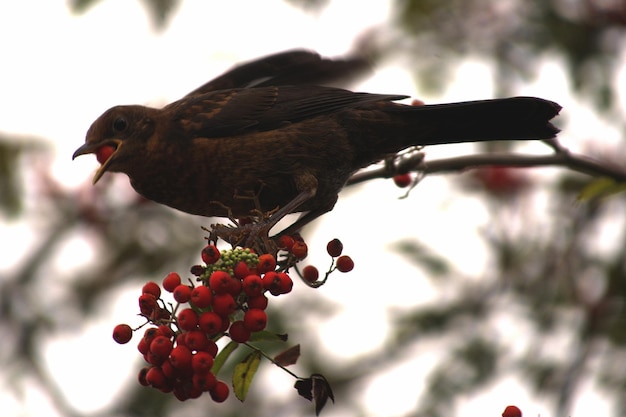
(253, 235)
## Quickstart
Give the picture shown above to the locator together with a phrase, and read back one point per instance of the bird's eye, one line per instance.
(119, 124)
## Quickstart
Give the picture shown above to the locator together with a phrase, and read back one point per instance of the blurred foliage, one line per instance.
(160, 11)
(11, 196)
(514, 35)
(309, 5)
(552, 280)
(546, 269)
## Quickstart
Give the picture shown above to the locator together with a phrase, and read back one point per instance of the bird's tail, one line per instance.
(516, 118)
(400, 126)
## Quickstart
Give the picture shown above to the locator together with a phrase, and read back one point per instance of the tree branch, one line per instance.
(561, 158)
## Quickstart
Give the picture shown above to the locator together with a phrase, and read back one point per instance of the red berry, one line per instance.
(252, 285)
(180, 339)
(166, 331)
(187, 319)
(403, 180)
(171, 281)
(180, 357)
(234, 286)
(197, 270)
(210, 322)
(204, 381)
(103, 153)
(255, 320)
(143, 346)
(141, 377)
(182, 293)
(211, 348)
(169, 386)
(270, 279)
(310, 273)
(512, 411)
(501, 180)
(345, 264)
(334, 248)
(168, 369)
(220, 391)
(161, 346)
(201, 296)
(285, 242)
(241, 270)
(238, 332)
(224, 304)
(153, 288)
(218, 281)
(197, 340)
(225, 323)
(147, 303)
(150, 334)
(267, 262)
(299, 250)
(283, 286)
(194, 392)
(210, 254)
(181, 391)
(277, 282)
(201, 362)
(259, 302)
(155, 377)
(122, 333)
(154, 359)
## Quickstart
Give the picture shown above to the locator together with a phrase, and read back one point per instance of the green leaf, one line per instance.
(264, 335)
(244, 373)
(221, 357)
(601, 188)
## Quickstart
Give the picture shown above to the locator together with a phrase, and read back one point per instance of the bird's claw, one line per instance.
(252, 235)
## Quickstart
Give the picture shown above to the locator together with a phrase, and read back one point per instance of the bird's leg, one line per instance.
(306, 218)
(390, 165)
(262, 228)
(404, 161)
(252, 195)
(307, 185)
(256, 235)
(229, 233)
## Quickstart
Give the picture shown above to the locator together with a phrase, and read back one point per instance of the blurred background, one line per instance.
(481, 289)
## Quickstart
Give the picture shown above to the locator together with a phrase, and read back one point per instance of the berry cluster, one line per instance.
(229, 299)
(342, 263)
(180, 347)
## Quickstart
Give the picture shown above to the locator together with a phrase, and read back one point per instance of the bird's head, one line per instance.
(118, 136)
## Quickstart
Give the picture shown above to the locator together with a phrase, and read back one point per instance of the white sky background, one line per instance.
(61, 71)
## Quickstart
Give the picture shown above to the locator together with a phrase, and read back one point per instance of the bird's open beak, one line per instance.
(88, 148)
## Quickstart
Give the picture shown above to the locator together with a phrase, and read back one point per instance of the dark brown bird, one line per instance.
(264, 136)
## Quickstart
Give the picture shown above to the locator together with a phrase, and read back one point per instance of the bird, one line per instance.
(274, 135)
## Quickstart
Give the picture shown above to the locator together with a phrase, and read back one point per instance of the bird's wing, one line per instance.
(235, 112)
(294, 67)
